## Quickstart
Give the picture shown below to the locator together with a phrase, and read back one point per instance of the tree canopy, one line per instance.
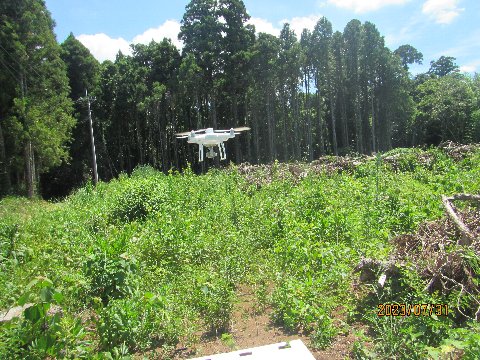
(304, 95)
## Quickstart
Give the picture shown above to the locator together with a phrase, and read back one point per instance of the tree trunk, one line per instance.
(248, 121)
(374, 140)
(4, 171)
(358, 124)
(213, 109)
(296, 118)
(139, 138)
(334, 122)
(343, 111)
(271, 128)
(235, 123)
(29, 169)
(256, 135)
(309, 119)
(321, 126)
(284, 125)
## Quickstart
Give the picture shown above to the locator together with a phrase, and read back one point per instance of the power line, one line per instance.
(8, 69)
(18, 63)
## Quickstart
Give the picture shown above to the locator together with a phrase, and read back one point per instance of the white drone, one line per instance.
(210, 138)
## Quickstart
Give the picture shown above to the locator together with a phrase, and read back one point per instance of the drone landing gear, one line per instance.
(200, 152)
(210, 152)
(223, 154)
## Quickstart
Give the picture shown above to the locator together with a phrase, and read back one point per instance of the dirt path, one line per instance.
(251, 327)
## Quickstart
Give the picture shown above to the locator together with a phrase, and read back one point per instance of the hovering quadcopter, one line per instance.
(210, 138)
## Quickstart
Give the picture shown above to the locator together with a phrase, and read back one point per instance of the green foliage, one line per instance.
(39, 115)
(110, 276)
(8, 233)
(137, 201)
(138, 322)
(163, 257)
(44, 330)
(445, 109)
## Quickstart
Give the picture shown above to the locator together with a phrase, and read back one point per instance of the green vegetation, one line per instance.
(152, 260)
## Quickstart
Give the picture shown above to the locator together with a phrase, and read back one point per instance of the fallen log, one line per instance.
(467, 236)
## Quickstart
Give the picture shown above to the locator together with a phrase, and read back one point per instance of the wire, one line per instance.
(8, 69)
(14, 59)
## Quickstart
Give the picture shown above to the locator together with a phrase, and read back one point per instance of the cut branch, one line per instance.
(467, 236)
(466, 197)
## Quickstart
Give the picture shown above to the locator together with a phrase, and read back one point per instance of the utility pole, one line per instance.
(94, 156)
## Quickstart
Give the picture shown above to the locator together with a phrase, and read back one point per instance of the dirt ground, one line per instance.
(251, 327)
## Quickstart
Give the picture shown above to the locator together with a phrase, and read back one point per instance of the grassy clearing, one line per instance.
(152, 260)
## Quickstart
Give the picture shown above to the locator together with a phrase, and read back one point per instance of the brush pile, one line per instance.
(445, 253)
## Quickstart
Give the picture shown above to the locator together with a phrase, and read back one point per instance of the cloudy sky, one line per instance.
(434, 27)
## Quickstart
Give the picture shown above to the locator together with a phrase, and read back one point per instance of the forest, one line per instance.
(303, 95)
(354, 196)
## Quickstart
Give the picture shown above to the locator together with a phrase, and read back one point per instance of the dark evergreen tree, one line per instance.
(37, 111)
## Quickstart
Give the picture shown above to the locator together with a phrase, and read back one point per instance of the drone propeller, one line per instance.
(241, 128)
(182, 137)
(189, 132)
(237, 130)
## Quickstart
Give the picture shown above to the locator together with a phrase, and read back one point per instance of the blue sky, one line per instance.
(434, 27)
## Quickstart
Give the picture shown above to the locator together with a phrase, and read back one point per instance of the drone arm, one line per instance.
(200, 152)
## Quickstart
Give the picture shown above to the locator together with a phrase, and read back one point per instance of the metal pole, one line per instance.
(94, 156)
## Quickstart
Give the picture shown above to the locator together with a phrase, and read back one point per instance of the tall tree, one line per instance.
(289, 76)
(353, 36)
(307, 66)
(321, 43)
(39, 119)
(445, 108)
(409, 55)
(237, 41)
(372, 50)
(201, 32)
(265, 59)
(443, 66)
(338, 82)
(83, 72)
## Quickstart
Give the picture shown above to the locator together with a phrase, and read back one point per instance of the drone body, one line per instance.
(210, 138)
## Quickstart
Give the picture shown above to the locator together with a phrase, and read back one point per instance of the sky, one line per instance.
(434, 27)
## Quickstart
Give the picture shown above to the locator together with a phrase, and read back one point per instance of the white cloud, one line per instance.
(169, 29)
(442, 11)
(297, 24)
(262, 25)
(471, 67)
(363, 6)
(103, 47)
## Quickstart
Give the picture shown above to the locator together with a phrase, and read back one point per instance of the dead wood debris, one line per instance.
(458, 151)
(265, 174)
(438, 255)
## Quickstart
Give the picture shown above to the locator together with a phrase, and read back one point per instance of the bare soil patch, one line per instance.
(251, 327)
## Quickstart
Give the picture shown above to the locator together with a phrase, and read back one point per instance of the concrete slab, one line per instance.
(294, 349)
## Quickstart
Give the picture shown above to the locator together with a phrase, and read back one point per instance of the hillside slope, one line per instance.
(157, 263)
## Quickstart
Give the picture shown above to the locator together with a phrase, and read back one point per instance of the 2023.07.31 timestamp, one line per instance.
(412, 309)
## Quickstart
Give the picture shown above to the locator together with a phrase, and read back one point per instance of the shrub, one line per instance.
(110, 276)
(43, 331)
(139, 322)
